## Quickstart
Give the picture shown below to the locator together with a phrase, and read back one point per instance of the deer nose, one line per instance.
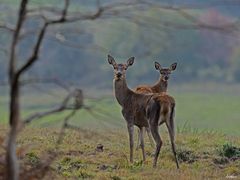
(166, 78)
(119, 74)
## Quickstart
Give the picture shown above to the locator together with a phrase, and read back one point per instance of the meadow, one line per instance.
(208, 137)
(200, 107)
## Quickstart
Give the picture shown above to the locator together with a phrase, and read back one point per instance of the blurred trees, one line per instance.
(203, 38)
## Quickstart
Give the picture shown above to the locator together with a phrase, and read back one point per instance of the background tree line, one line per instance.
(76, 52)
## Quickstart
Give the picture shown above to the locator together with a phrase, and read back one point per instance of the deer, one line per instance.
(143, 110)
(160, 86)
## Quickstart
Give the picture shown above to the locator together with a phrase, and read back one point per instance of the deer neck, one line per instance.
(122, 92)
(161, 85)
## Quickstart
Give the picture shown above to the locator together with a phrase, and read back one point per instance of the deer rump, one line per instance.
(160, 109)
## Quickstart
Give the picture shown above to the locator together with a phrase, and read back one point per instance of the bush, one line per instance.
(229, 151)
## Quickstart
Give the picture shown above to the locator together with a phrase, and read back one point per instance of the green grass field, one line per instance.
(207, 138)
(216, 108)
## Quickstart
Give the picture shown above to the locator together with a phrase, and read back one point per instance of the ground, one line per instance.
(85, 154)
(207, 137)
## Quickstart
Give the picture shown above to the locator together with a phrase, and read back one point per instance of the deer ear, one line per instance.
(130, 61)
(157, 66)
(173, 66)
(111, 60)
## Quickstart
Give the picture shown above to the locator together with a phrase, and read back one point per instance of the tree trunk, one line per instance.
(11, 158)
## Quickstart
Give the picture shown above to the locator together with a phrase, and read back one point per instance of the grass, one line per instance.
(78, 158)
(208, 142)
(195, 111)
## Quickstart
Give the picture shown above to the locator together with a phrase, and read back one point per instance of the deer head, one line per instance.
(165, 72)
(120, 69)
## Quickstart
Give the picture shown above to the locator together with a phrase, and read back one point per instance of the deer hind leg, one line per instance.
(130, 132)
(158, 141)
(138, 140)
(170, 126)
(153, 115)
(142, 142)
(149, 136)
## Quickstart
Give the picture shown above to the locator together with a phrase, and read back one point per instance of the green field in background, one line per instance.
(195, 111)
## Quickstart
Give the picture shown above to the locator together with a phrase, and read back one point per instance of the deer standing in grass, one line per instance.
(160, 86)
(143, 110)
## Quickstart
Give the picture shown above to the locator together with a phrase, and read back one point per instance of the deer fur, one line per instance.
(143, 110)
(160, 86)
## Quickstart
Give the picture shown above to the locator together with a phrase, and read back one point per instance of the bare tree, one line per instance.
(15, 72)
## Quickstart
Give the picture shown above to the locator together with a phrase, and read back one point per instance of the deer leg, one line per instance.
(142, 142)
(158, 141)
(149, 136)
(130, 132)
(170, 126)
(138, 140)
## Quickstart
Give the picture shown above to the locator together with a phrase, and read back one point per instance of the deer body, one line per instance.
(133, 104)
(160, 86)
(133, 111)
(143, 110)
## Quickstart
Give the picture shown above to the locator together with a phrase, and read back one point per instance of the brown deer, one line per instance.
(160, 86)
(143, 110)
(162, 83)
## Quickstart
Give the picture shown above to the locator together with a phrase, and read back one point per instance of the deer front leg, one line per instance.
(130, 132)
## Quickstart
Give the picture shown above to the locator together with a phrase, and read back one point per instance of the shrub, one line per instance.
(229, 151)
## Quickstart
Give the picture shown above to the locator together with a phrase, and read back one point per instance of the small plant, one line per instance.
(186, 156)
(33, 159)
(221, 160)
(115, 178)
(229, 151)
(136, 165)
(68, 167)
(84, 175)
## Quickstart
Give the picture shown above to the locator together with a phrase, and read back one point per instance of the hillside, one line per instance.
(151, 34)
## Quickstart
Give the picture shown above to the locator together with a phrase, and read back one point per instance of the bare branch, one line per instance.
(7, 27)
(41, 34)
(71, 44)
(63, 106)
(21, 18)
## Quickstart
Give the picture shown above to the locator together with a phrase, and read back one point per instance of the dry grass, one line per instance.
(78, 157)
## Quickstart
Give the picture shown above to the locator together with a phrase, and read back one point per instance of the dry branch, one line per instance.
(76, 94)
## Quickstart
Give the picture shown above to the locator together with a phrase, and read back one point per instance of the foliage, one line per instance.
(230, 151)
